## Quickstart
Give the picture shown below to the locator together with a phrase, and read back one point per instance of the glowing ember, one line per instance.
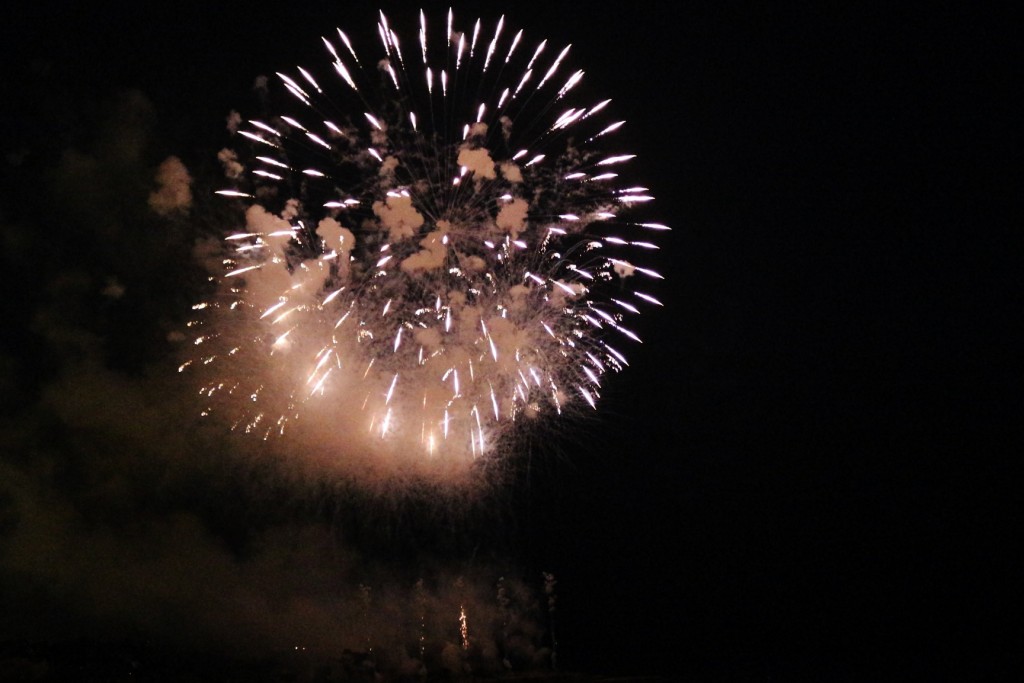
(464, 627)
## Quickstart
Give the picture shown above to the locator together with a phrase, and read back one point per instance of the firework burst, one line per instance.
(432, 251)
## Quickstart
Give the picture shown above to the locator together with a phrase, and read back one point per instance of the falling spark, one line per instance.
(464, 627)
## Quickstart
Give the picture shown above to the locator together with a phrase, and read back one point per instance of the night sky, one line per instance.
(791, 479)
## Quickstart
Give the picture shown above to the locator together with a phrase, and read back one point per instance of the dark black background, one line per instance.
(794, 477)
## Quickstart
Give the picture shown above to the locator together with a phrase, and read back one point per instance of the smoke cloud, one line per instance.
(175, 192)
(126, 515)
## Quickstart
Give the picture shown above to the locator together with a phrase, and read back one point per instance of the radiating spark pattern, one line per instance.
(426, 263)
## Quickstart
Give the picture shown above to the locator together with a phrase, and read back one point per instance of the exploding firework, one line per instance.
(432, 251)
